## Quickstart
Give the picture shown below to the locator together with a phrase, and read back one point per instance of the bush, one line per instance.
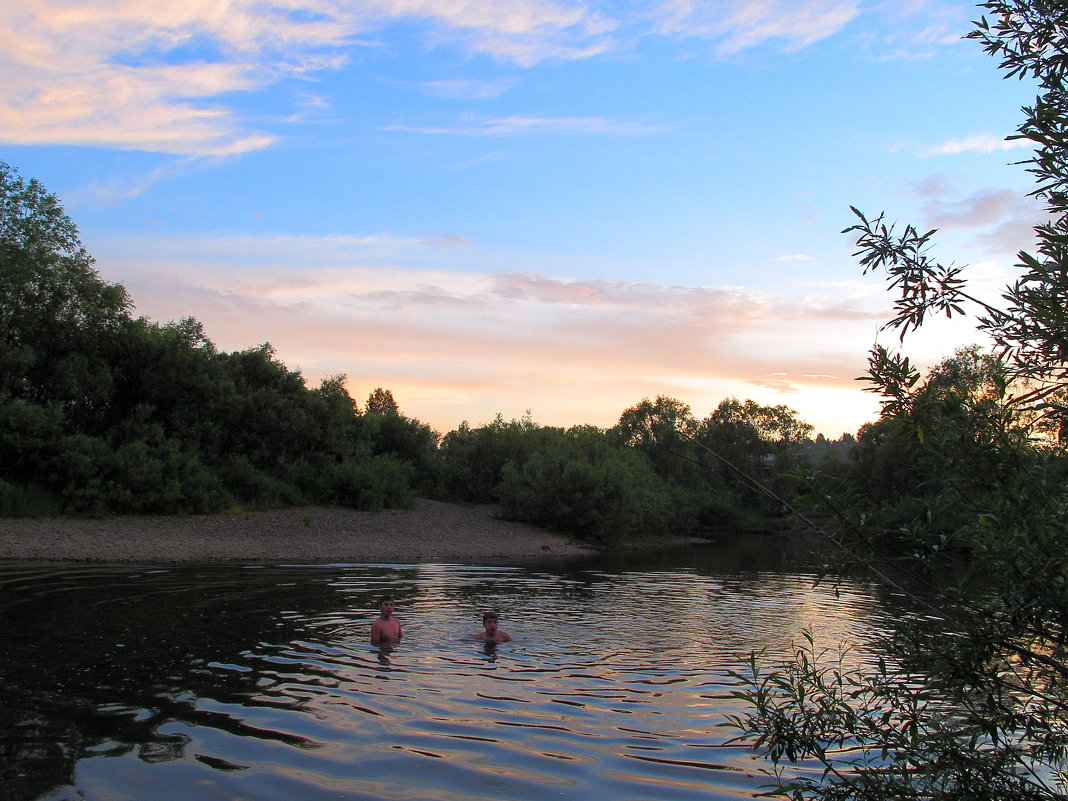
(141, 477)
(382, 482)
(472, 459)
(601, 494)
(256, 488)
(28, 500)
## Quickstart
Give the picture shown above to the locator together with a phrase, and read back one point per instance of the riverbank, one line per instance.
(430, 531)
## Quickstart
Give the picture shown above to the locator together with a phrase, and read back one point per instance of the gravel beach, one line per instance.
(430, 531)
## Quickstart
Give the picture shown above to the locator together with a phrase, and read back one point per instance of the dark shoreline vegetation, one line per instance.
(103, 413)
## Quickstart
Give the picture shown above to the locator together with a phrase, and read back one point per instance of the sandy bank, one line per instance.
(429, 532)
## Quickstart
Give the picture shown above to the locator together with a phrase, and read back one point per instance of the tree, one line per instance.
(102, 413)
(579, 482)
(747, 452)
(753, 438)
(971, 699)
(55, 312)
(660, 430)
(473, 458)
(380, 401)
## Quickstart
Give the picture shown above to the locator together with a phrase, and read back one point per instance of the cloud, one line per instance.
(132, 75)
(524, 32)
(520, 126)
(118, 189)
(457, 341)
(442, 240)
(465, 89)
(934, 186)
(736, 25)
(160, 77)
(979, 209)
(779, 382)
(1008, 217)
(912, 30)
(979, 143)
(147, 76)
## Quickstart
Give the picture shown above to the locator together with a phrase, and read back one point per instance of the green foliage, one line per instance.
(391, 434)
(751, 450)
(101, 412)
(473, 459)
(724, 465)
(959, 498)
(880, 733)
(651, 475)
(56, 316)
(380, 401)
(257, 489)
(27, 500)
(660, 430)
(941, 447)
(381, 482)
(580, 484)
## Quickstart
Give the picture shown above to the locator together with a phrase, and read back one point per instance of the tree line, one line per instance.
(105, 412)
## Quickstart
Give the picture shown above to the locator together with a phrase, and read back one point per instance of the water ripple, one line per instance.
(219, 682)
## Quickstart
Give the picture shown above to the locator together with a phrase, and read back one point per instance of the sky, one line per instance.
(526, 206)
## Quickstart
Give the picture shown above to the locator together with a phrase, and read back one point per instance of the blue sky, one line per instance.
(538, 205)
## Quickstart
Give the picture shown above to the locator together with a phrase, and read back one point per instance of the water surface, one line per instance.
(258, 683)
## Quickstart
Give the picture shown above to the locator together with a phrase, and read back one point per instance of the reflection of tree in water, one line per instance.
(97, 660)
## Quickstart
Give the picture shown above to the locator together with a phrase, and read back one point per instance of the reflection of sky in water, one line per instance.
(228, 682)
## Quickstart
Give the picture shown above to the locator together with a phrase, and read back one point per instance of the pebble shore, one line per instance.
(430, 531)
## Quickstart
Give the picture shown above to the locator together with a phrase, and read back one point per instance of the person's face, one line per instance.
(386, 608)
(491, 624)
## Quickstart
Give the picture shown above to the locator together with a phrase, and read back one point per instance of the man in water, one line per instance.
(386, 630)
(492, 633)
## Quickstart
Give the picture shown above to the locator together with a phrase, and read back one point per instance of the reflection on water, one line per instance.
(234, 682)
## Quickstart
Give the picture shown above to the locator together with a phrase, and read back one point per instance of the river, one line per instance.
(258, 683)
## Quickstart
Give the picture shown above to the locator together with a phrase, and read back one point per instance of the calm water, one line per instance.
(258, 683)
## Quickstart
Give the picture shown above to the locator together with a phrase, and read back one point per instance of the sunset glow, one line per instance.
(547, 206)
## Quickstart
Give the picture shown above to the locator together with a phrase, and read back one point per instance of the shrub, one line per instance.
(382, 482)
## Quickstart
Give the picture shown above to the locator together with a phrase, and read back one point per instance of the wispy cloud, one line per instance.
(116, 190)
(913, 30)
(447, 337)
(126, 74)
(979, 209)
(979, 143)
(1005, 218)
(521, 126)
(524, 32)
(467, 89)
(160, 77)
(735, 25)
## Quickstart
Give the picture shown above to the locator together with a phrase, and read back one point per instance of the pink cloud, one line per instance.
(456, 346)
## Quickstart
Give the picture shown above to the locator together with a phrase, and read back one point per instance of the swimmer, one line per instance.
(386, 630)
(492, 634)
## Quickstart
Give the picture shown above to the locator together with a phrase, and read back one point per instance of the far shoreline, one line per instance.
(430, 531)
